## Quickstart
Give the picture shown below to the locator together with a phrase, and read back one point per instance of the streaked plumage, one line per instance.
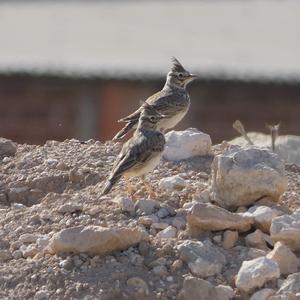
(141, 154)
(173, 101)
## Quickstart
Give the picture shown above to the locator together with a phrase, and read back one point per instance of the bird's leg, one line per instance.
(130, 190)
(149, 188)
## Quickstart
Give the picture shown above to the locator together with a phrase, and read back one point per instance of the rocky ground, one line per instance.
(59, 240)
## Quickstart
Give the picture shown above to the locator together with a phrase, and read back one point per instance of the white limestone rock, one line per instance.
(203, 258)
(147, 206)
(291, 285)
(286, 259)
(241, 176)
(95, 239)
(198, 289)
(263, 294)
(185, 144)
(255, 273)
(168, 233)
(286, 229)
(230, 238)
(172, 183)
(257, 239)
(205, 216)
(263, 216)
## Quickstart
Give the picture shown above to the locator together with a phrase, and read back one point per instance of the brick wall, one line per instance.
(35, 109)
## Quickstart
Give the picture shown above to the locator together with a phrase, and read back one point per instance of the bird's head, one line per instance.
(150, 116)
(178, 76)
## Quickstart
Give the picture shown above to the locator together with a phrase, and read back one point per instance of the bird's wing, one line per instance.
(137, 152)
(170, 105)
(151, 100)
(132, 117)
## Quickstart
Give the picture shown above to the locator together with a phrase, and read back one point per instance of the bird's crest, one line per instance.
(177, 66)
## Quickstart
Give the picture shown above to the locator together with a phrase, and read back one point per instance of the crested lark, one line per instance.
(140, 154)
(173, 101)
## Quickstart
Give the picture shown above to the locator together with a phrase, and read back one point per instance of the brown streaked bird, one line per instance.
(140, 154)
(173, 101)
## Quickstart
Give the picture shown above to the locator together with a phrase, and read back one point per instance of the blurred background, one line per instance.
(71, 69)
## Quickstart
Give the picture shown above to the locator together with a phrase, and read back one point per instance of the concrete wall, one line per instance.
(35, 109)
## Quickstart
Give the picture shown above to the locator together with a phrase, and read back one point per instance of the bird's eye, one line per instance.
(180, 75)
(152, 119)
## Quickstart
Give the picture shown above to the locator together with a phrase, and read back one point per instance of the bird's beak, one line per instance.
(192, 76)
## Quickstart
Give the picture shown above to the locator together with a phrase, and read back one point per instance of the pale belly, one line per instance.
(168, 123)
(140, 170)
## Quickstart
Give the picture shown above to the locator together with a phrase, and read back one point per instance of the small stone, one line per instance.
(144, 248)
(138, 283)
(160, 226)
(286, 259)
(291, 285)
(263, 294)
(41, 295)
(136, 259)
(255, 253)
(263, 216)
(162, 261)
(160, 270)
(198, 289)
(17, 254)
(148, 220)
(176, 265)
(185, 144)
(172, 183)
(255, 273)
(5, 255)
(42, 242)
(241, 175)
(94, 211)
(286, 229)
(147, 206)
(224, 292)
(29, 251)
(66, 264)
(202, 197)
(95, 239)
(203, 258)
(179, 223)
(125, 203)
(162, 212)
(205, 217)
(217, 239)
(28, 238)
(229, 239)
(257, 239)
(169, 232)
(69, 208)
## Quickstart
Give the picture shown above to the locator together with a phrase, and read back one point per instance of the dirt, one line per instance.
(38, 180)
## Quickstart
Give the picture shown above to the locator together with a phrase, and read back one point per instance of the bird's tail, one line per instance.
(127, 128)
(109, 185)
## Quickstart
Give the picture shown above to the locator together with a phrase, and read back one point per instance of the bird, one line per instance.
(173, 101)
(141, 153)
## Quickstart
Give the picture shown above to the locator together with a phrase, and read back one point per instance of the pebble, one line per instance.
(162, 212)
(179, 223)
(229, 239)
(160, 270)
(176, 265)
(28, 238)
(167, 233)
(139, 283)
(159, 226)
(41, 295)
(69, 208)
